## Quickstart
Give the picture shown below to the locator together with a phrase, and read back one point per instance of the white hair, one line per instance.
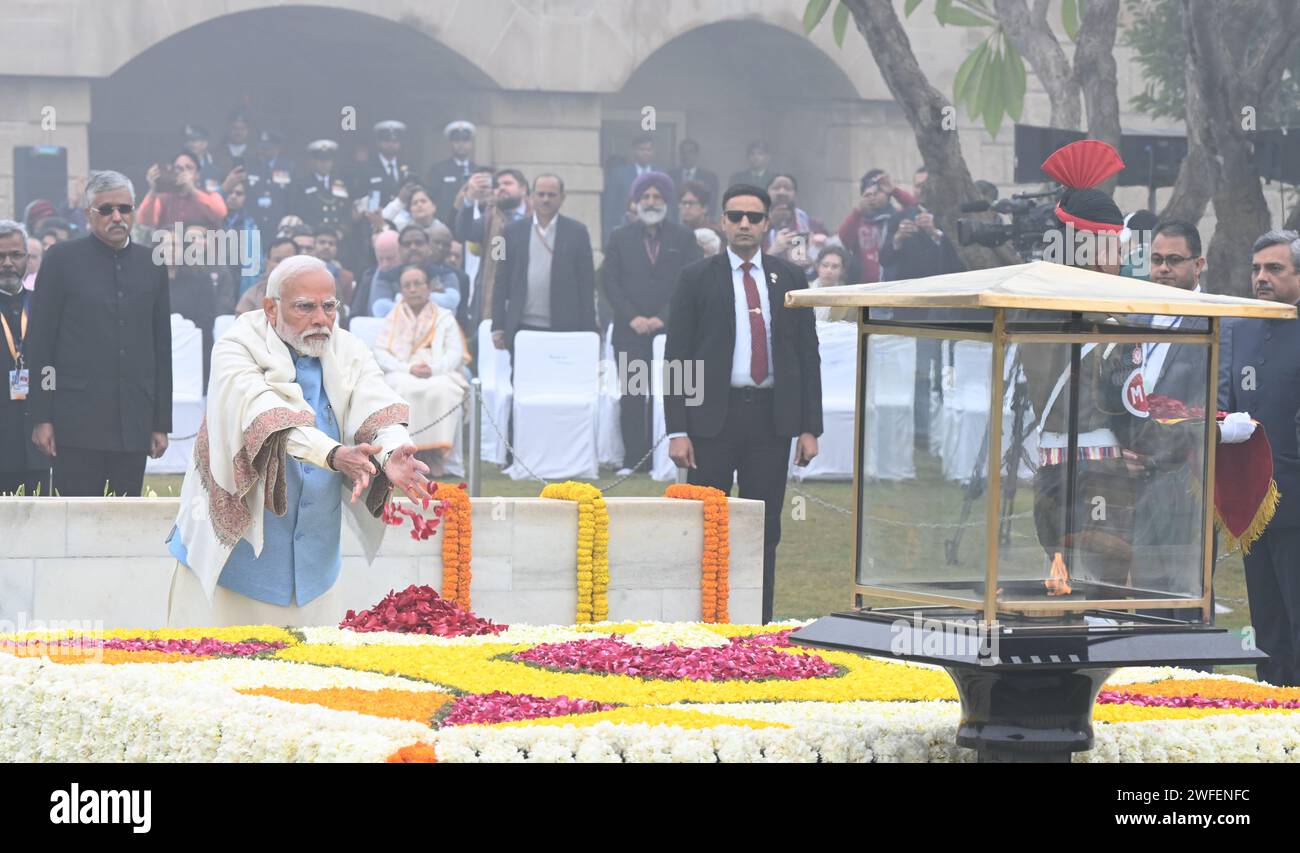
(106, 181)
(289, 269)
(8, 226)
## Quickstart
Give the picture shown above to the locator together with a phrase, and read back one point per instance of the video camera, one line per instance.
(1031, 219)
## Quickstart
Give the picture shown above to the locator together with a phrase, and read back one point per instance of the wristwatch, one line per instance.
(329, 460)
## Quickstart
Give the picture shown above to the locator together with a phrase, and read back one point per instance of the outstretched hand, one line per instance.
(407, 473)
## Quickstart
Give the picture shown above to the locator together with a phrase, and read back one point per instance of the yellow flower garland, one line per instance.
(715, 560)
(593, 547)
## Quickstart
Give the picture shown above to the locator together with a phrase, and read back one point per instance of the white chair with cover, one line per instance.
(837, 344)
(497, 394)
(556, 399)
(187, 398)
(366, 328)
(890, 428)
(609, 435)
(662, 467)
(222, 325)
(966, 409)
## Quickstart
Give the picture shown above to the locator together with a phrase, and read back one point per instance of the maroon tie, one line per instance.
(757, 331)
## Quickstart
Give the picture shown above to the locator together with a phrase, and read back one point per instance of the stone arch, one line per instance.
(297, 71)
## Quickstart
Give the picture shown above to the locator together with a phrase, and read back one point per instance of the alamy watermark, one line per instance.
(635, 377)
(943, 638)
(77, 638)
(204, 247)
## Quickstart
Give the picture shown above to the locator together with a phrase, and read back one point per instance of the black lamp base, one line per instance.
(1027, 690)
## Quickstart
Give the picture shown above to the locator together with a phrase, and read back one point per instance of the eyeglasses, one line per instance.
(754, 216)
(306, 309)
(406, 244)
(1171, 260)
(12, 256)
(107, 209)
(689, 202)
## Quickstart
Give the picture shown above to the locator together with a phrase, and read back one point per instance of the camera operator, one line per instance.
(917, 248)
(174, 196)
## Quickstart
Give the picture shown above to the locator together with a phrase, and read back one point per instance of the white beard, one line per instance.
(651, 215)
(299, 342)
(11, 289)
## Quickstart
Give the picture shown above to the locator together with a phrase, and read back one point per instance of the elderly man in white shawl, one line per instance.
(421, 351)
(299, 419)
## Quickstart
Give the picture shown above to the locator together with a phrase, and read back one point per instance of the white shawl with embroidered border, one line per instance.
(239, 455)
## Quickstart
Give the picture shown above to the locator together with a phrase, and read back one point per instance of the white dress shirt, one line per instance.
(741, 377)
(1154, 354)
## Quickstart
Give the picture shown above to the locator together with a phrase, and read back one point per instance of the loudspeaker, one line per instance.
(40, 171)
(1151, 159)
(1034, 145)
(1277, 155)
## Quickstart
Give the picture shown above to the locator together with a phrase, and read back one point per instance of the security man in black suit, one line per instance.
(1260, 374)
(448, 176)
(101, 351)
(21, 466)
(761, 370)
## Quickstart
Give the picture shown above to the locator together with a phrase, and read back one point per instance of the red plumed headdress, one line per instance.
(1083, 164)
(1080, 166)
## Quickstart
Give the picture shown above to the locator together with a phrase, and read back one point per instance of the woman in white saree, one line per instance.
(421, 351)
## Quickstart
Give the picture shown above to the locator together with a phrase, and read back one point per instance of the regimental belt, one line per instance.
(1057, 455)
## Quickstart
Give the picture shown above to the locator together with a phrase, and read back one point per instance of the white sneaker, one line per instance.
(623, 472)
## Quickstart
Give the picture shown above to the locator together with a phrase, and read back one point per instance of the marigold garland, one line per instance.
(457, 540)
(593, 547)
(418, 753)
(418, 707)
(715, 560)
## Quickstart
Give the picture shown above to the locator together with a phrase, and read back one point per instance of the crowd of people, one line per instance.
(372, 219)
(85, 302)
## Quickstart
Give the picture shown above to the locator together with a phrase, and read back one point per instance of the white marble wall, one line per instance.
(94, 559)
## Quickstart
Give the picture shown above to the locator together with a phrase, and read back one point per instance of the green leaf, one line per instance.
(813, 14)
(1071, 18)
(1014, 81)
(840, 23)
(989, 79)
(910, 6)
(963, 18)
(964, 73)
(970, 86)
(994, 100)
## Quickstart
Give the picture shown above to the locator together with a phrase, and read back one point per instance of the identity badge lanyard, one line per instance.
(18, 377)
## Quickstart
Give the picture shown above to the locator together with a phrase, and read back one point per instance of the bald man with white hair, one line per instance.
(300, 424)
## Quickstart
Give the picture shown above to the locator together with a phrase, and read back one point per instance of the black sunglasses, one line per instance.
(754, 216)
(107, 209)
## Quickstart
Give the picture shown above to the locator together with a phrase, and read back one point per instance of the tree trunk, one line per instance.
(1032, 36)
(1232, 72)
(927, 111)
(1196, 176)
(1096, 74)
